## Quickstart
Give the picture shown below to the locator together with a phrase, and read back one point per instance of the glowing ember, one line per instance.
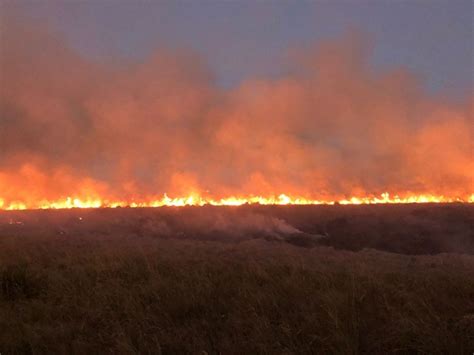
(196, 200)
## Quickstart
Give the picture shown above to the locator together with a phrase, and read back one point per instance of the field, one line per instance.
(239, 280)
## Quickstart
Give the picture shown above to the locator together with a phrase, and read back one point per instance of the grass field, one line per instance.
(246, 280)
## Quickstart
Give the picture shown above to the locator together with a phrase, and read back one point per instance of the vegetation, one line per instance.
(121, 292)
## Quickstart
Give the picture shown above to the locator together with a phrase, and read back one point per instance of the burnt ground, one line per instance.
(405, 229)
(249, 279)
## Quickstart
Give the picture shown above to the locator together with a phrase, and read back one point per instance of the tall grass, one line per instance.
(90, 294)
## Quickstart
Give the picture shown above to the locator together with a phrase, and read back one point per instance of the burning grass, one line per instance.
(197, 200)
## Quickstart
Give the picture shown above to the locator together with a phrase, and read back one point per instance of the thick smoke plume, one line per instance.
(331, 127)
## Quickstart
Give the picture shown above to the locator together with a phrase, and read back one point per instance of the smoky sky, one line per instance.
(244, 39)
(329, 125)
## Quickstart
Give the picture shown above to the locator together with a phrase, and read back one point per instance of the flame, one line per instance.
(197, 200)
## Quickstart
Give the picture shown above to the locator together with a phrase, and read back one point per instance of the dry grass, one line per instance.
(128, 294)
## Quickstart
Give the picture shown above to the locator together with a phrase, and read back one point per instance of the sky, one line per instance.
(246, 39)
(131, 100)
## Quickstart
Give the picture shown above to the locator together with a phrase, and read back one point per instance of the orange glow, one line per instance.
(328, 130)
(196, 200)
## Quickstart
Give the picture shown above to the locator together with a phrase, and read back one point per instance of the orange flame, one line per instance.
(197, 200)
(328, 130)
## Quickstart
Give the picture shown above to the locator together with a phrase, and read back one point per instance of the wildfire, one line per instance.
(197, 200)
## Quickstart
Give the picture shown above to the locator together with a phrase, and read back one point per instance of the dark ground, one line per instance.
(239, 280)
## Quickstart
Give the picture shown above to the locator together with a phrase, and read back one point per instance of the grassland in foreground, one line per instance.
(68, 291)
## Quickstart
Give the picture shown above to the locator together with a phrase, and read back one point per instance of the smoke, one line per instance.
(233, 225)
(331, 127)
